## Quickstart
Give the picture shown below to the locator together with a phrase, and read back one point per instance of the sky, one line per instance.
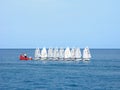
(59, 23)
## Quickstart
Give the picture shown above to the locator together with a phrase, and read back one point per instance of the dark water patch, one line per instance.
(72, 85)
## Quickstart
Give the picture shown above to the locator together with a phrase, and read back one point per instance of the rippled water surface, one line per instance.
(101, 73)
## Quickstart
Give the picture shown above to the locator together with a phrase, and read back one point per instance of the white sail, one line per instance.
(67, 53)
(73, 53)
(56, 54)
(86, 54)
(78, 53)
(37, 54)
(44, 53)
(50, 53)
(61, 53)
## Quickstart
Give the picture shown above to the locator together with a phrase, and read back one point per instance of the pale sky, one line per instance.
(59, 23)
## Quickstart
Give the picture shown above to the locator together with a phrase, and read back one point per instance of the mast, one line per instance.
(73, 53)
(61, 53)
(55, 53)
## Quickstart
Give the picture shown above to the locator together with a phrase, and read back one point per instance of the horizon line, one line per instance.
(58, 47)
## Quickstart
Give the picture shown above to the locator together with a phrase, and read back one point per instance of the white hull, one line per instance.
(43, 58)
(86, 59)
(37, 58)
(78, 59)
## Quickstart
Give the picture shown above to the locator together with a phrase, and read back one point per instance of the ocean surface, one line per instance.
(101, 73)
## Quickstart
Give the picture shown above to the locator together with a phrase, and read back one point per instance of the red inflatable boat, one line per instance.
(24, 57)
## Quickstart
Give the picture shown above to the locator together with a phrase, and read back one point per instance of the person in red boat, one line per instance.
(25, 55)
(30, 58)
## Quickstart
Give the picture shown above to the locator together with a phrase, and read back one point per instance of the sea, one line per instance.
(102, 72)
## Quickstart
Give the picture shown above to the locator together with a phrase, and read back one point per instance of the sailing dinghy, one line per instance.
(37, 54)
(43, 54)
(67, 54)
(78, 54)
(50, 53)
(86, 54)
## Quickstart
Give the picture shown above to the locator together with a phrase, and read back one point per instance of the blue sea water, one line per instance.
(101, 73)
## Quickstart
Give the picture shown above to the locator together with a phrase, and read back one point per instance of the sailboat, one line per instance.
(78, 54)
(37, 54)
(61, 53)
(86, 54)
(50, 53)
(73, 53)
(67, 54)
(55, 54)
(44, 54)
